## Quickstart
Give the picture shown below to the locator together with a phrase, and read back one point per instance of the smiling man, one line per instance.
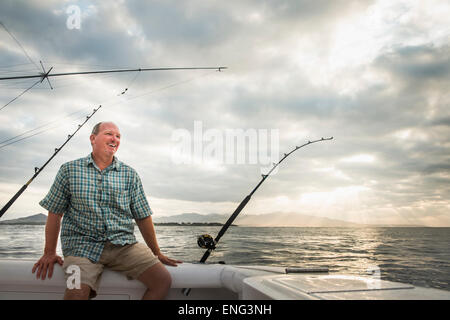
(99, 197)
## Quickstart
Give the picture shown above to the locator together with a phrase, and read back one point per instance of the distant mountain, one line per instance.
(37, 219)
(397, 225)
(187, 218)
(192, 218)
(291, 219)
(276, 219)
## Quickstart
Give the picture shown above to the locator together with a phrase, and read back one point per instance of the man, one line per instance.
(99, 197)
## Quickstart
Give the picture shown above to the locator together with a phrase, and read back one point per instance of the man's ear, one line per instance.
(92, 138)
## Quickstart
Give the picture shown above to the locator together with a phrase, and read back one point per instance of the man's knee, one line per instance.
(156, 275)
(167, 278)
(78, 294)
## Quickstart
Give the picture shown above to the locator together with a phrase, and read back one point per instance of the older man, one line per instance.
(99, 197)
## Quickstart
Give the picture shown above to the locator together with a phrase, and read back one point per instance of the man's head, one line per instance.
(105, 139)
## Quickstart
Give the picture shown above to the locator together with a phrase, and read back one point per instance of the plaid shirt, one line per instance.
(98, 206)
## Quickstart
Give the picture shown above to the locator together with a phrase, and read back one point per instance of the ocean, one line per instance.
(418, 256)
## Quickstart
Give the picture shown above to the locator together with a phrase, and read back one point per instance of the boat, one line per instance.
(219, 282)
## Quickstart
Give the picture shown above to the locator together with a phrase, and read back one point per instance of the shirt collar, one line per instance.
(115, 163)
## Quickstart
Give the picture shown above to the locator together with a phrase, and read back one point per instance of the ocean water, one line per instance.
(419, 256)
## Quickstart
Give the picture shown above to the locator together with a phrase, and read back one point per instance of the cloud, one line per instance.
(373, 74)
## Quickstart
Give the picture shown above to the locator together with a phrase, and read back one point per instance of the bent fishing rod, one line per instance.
(207, 242)
(39, 170)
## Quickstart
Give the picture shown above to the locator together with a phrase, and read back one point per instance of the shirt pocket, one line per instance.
(119, 198)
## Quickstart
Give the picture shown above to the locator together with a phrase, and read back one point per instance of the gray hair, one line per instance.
(96, 128)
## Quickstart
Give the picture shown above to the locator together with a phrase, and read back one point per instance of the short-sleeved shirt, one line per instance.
(98, 205)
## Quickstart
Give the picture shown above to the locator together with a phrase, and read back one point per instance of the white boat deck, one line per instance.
(217, 282)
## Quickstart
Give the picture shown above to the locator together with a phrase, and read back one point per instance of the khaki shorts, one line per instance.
(131, 260)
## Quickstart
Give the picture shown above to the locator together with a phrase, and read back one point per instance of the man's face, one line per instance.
(107, 141)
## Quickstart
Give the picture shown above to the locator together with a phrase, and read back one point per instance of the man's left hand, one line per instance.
(167, 261)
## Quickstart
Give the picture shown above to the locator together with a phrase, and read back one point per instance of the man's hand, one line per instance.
(168, 261)
(50, 257)
(46, 263)
(148, 233)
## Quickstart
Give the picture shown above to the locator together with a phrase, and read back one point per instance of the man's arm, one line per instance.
(148, 233)
(47, 261)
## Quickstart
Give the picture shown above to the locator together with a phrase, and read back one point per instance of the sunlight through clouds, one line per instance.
(372, 74)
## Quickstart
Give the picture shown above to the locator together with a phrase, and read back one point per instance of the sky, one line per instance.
(374, 75)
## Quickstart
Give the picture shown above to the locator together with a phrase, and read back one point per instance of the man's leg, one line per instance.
(138, 262)
(82, 278)
(78, 294)
(157, 280)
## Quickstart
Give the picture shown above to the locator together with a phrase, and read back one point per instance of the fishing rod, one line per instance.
(207, 242)
(38, 170)
(47, 74)
(16, 139)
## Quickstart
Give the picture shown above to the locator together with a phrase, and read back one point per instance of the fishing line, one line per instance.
(16, 85)
(15, 65)
(207, 242)
(4, 142)
(29, 58)
(35, 134)
(23, 49)
(133, 80)
(6, 70)
(39, 170)
(168, 86)
(46, 73)
(84, 65)
(39, 127)
(66, 82)
(23, 92)
(7, 142)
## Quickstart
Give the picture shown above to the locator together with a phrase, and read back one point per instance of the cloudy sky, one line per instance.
(375, 75)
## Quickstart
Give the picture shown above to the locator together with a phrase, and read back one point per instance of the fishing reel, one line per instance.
(205, 241)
